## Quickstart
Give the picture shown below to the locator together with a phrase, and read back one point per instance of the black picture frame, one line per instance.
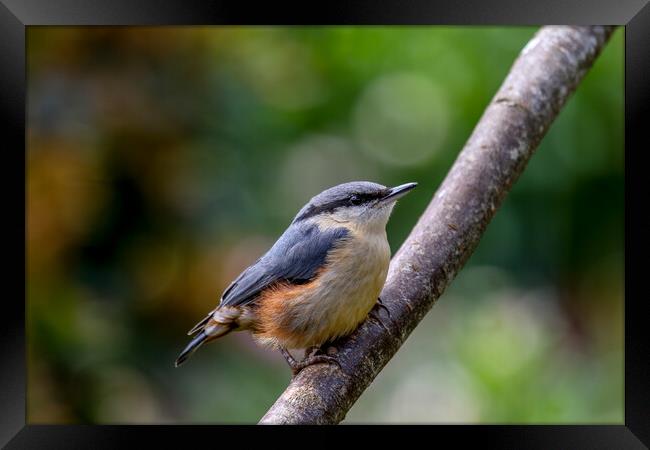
(16, 15)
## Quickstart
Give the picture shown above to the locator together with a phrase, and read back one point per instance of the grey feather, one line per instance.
(295, 257)
(338, 196)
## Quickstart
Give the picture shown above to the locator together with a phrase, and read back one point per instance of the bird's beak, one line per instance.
(398, 192)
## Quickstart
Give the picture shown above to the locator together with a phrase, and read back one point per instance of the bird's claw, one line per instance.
(374, 313)
(312, 351)
(311, 357)
(314, 359)
(380, 304)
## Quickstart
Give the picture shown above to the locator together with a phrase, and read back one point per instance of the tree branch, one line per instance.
(544, 75)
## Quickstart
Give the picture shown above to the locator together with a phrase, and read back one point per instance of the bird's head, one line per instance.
(360, 203)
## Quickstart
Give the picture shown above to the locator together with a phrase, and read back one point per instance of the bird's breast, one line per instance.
(336, 301)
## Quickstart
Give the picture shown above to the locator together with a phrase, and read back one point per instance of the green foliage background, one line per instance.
(162, 161)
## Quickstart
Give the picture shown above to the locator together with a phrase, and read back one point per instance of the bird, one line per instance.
(318, 282)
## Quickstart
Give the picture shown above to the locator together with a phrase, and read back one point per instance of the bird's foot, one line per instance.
(380, 304)
(310, 351)
(374, 314)
(314, 359)
(297, 366)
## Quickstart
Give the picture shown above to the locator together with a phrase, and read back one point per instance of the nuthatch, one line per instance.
(318, 282)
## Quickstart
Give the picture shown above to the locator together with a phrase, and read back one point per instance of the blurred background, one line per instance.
(162, 161)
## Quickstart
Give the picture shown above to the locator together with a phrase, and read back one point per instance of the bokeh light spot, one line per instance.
(401, 119)
(314, 164)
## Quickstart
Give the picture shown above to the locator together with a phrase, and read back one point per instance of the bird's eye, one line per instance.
(355, 200)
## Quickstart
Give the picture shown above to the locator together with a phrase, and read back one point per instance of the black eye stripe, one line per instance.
(351, 200)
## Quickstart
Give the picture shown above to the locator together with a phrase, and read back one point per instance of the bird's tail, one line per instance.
(210, 330)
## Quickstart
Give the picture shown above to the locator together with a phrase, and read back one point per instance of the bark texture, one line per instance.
(542, 78)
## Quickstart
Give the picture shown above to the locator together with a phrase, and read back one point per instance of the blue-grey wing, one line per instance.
(295, 257)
